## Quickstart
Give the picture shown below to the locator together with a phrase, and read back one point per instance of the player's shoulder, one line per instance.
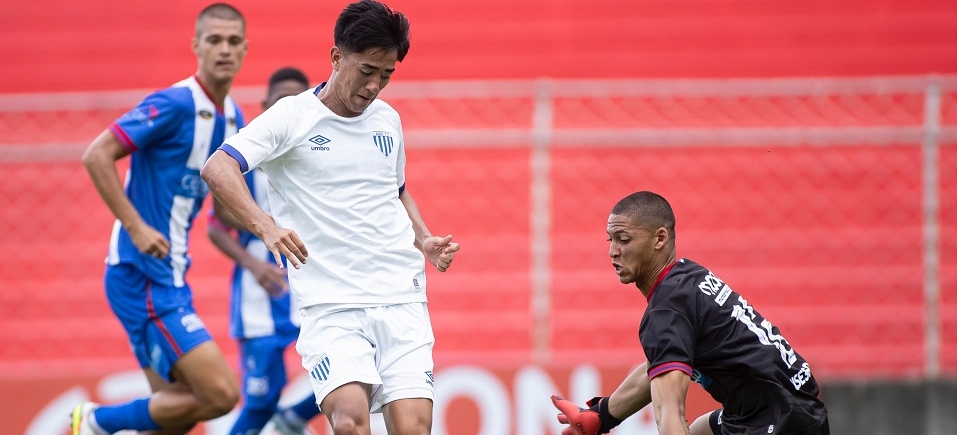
(684, 275)
(385, 110)
(382, 105)
(303, 104)
(174, 97)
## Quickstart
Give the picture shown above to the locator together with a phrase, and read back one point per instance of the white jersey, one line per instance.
(336, 181)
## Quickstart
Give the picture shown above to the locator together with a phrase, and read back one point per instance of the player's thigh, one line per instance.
(404, 343)
(703, 424)
(205, 372)
(336, 351)
(348, 405)
(408, 417)
(158, 383)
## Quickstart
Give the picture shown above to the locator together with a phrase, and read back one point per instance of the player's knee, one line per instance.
(345, 426)
(411, 426)
(219, 400)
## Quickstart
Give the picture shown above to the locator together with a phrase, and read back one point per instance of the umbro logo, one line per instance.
(320, 141)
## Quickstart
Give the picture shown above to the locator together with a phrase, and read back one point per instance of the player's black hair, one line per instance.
(647, 209)
(368, 23)
(222, 11)
(287, 73)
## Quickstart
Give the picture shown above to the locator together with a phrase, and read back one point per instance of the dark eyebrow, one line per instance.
(370, 66)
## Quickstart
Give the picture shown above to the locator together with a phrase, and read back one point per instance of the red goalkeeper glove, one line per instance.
(594, 420)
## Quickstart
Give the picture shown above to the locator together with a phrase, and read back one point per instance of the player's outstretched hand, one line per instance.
(594, 420)
(282, 242)
(440, 251)
(580, 421)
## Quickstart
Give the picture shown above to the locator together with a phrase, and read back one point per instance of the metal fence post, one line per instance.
(540, 220)
(930, 154)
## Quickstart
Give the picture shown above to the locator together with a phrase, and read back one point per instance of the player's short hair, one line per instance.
(287, 73)
(222, 11)
(368, 23)
(648, 210)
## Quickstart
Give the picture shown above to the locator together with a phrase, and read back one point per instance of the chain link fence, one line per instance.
(830, 204)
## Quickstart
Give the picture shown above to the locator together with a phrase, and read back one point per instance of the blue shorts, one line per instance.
(159, 319)
(263, 368)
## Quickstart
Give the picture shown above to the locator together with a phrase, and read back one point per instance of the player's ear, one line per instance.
(194, 43)
(661, 237)
(335, 55)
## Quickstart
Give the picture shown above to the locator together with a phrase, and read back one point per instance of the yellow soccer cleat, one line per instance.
(81, 419)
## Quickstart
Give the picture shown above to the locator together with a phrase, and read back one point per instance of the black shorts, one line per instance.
(717, 428)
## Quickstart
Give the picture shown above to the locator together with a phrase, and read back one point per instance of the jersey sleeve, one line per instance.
(668, 338)
(264, 138)
(152, 120)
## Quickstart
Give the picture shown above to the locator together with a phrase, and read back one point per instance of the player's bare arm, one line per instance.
(226, 217)
(224, 178)
(100, 160)
(632, 395)
(604, 413)
(268, 275)
(439, 251)
(668, 393)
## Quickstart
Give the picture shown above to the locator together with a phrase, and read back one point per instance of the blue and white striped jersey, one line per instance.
(170, 133)
(253, 313)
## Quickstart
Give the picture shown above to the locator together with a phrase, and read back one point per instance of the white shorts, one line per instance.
(388, 347)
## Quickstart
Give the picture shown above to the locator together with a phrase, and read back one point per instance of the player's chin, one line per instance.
(225, 75)
(625, 278)
(361, 104)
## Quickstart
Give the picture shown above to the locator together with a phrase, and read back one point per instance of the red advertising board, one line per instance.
(470, 400)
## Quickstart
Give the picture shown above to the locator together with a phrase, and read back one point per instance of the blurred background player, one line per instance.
(263, 317)
(170, 134)
(336, 159)
(696, 329)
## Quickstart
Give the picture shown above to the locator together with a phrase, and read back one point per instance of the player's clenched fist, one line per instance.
(585, 421)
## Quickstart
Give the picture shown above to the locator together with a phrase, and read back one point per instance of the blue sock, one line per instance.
(306, 409)
(250, 421)
(133, 415)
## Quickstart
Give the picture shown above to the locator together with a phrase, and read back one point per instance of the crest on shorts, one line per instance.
(320, 371)
(383, 140)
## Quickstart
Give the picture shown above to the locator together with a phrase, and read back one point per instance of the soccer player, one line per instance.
(335, 158)
(263, 317)
(696, 329)
(170, 134)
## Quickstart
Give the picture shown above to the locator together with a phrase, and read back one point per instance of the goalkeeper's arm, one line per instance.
(632, 395)
(604, 413)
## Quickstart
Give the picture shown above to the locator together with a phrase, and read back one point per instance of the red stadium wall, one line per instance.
(63, 45)
(824, 240)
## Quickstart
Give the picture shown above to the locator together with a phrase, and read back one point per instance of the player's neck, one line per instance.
(650, 280)
(215, 90)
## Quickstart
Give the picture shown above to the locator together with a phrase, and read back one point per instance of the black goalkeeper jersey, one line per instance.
(695, 323)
